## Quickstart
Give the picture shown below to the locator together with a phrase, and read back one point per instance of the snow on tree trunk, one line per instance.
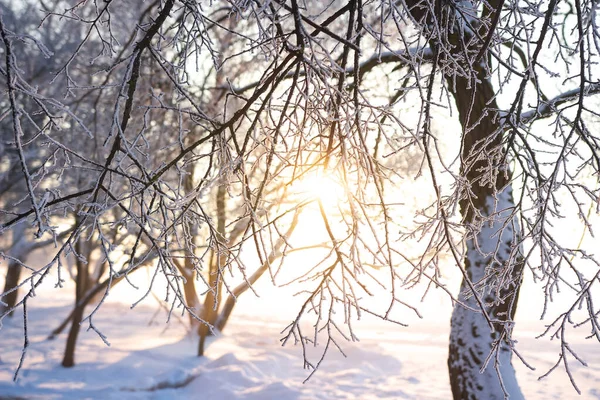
(493, 254)
(493, 261)
(471, 339)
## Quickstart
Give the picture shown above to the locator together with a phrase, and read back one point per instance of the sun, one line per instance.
(324, 187)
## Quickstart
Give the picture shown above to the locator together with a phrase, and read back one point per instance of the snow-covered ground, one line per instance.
(149, 359)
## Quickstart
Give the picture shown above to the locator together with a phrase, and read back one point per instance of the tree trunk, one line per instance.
(189, 291)
(13, 274)
(80, 289)
(18, 250)
(187, 270)
(69, 357)
(493, 260)
(218, 260)
(471, 338)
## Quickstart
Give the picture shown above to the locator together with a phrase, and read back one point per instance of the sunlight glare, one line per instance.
(324, 187)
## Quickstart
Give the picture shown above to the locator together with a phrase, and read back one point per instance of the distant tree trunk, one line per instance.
(218, 259)
(493, 253)
(227, 307)
(189, 291)
(187, 270)
(80, 289)
(13, 272)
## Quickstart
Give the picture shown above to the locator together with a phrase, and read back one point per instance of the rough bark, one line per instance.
(471, 338)
(490, 260)
(491, 263)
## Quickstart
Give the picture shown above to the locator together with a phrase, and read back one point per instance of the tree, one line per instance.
(301, 89)
(13, 188)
